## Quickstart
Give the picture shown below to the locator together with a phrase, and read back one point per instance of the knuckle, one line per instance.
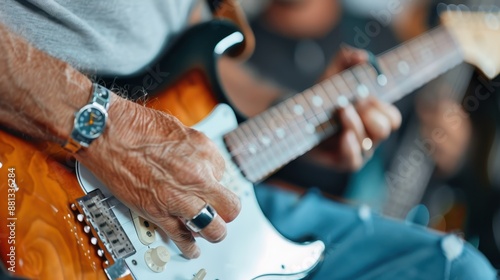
(234, 210)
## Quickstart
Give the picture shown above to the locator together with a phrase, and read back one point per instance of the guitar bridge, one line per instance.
(104, 225)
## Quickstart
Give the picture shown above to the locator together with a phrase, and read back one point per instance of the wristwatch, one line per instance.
(90, 120)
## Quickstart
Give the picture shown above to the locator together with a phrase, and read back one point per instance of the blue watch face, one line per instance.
(90, 122)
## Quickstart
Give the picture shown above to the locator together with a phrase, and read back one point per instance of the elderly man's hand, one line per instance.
(163, 170)
(366, 119)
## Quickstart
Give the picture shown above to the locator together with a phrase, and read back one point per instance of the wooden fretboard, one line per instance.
(265, 143)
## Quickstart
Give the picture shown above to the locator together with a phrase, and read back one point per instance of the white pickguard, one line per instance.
(253, 249)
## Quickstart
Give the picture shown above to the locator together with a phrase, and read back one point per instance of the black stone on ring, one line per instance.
(202, 219)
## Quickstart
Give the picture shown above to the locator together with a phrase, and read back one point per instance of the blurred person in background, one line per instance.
(296, 41)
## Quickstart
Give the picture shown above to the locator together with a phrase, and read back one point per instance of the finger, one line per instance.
(350, 120)
(181, 236)
(376, 124)
(215, 230)
(390, 111)
(349, 150)
(226, 202)
(350, 56)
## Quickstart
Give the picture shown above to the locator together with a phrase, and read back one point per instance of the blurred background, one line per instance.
(454, 185)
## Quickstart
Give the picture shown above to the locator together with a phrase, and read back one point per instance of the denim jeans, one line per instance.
(362, 245)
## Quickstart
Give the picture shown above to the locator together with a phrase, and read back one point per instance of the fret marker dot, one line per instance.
(492, 22)
(265, 140)
(252, 149)
(342, 101)
(297, 109)
(310, 128)
(404, 68)
(382, 80)
(317, 101)
(363, 91)
(280, 133)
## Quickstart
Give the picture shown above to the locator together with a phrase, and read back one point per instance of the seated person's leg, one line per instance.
(362, 245)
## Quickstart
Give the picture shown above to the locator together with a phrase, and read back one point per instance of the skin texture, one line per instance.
(367, 118)
(158, 167)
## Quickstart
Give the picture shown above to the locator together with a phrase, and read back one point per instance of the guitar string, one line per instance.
(253, 141)
(301, 121)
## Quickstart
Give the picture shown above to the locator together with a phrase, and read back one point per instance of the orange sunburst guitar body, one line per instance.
(46, 241)
(67, 225)
(55, 235)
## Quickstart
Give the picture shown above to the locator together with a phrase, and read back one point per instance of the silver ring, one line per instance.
(206, 215)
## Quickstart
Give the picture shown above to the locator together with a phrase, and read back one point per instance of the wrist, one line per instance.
(90, 120)
(117, 125)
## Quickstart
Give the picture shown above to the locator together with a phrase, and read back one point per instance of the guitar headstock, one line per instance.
(478, 34)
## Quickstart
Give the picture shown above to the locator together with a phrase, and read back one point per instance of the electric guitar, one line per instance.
(60, 222)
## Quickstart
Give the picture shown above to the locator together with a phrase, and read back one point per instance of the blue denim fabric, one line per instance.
(363, 245)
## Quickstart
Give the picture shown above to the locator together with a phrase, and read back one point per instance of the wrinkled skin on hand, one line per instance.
(368, 118)
(163, 170)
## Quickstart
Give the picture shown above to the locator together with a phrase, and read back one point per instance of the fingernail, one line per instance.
(196, 253)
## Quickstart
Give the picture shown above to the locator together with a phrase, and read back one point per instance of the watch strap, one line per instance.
(100, 95)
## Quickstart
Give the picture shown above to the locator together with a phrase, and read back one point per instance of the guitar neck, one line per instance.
(265, 143)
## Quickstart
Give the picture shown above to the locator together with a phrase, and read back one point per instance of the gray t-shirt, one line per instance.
(98, 36)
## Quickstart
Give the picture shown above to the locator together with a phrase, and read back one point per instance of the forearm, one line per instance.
(39, 94)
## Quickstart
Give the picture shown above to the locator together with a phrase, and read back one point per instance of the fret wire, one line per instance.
(427, 47)
(289, 110)
(409, 55)
(328, 104)
(360, 74)
(293, 151)
(353, 82)
(301, 99)
(325, 114)
(263, 156)
(342, 89)
(342, 85)
(272, 146)
(384, 65)
(313, 115)
(383, 92)
(258, 158)
(234, 143)
(293, 125)
(332, 92)
(349, 81)
(314, 118)
(393, 64)
(273, 124)
(444, 38)
(240, 158)
(243, 140)
(252, 159)
(349, 93)
(406, 62)
(231, 144)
